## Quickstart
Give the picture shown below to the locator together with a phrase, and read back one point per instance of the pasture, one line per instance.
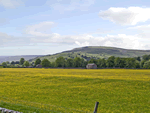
(75, 90)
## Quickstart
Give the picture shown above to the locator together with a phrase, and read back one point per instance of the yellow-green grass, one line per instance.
(75, 90)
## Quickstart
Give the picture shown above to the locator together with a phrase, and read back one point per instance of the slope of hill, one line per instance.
(89, 52)
(17, 58)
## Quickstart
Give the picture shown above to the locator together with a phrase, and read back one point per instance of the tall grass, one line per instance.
(75, 90)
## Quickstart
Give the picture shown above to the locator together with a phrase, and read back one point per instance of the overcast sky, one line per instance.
(40, 27)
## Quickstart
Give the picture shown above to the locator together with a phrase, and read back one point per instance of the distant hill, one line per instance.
(96, 52)
(17, 58)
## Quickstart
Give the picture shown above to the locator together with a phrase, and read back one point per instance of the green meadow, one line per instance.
(75, 90)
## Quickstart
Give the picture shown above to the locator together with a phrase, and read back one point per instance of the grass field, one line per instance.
(75, 90)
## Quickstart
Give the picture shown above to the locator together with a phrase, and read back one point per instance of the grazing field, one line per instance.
(75, 90)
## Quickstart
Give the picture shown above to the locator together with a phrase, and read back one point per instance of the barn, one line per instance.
(91, 66)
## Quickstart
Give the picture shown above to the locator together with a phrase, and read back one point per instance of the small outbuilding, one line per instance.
(38, 66)
(91, 66)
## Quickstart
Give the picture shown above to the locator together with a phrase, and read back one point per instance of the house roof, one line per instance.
(91, 64)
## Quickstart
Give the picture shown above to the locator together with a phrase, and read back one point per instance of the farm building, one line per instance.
(91, 66)
(38, 66)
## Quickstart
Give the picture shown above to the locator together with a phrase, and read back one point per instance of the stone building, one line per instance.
(91, 66)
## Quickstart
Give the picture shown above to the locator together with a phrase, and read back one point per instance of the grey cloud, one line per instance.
(8, 40)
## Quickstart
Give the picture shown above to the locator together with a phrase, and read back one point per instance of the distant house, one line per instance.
(38, 66)
(30, 66)
(91, 66)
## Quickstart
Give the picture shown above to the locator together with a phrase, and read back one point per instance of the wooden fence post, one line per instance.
(96, 106)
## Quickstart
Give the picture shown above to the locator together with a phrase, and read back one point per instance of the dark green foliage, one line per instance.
(53, 64)
(101, 63)
(146, 65)
(60, 62)
(92, 61)
(137, 58)
(17, 62)
(77, 62)
(26, 63)
(142, 63)
(110, 61)
(117, 62)
(12, 63)
(4, 64)
(137, 64)
(45, 63)
(130, 63)
(22, 60)
(146, 57)
(38, 61)
(83, 63)
(69, 62)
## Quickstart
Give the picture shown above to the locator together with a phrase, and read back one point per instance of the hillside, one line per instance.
(89, 52)
(17, 58)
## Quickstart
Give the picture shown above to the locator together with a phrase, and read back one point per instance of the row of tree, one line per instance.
(111, 62)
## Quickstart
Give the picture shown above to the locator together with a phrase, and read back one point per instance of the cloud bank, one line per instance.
(126, 16)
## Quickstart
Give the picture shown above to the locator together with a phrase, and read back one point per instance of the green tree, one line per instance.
(4, 64)
(101, 63)
(142, 63)
(69, 62)
(146, 57)
(7, 62)
(13, 63)
(77, 62)
(22, 60)
(137, 58)
(26, 63)
(130, 63)
(137, 64)
(122, 62)
(45, 63)
(147, 65)
(37, 61)
(117, 62)
(110, 62)
(53, 64)
(60, 62)
(83, 63)
(92, 60)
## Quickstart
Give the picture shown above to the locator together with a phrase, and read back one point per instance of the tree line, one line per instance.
(77, 62)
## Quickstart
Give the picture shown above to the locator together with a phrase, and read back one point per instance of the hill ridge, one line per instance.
(96, 52)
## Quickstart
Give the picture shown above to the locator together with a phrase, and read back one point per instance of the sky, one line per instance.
(41, 27)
